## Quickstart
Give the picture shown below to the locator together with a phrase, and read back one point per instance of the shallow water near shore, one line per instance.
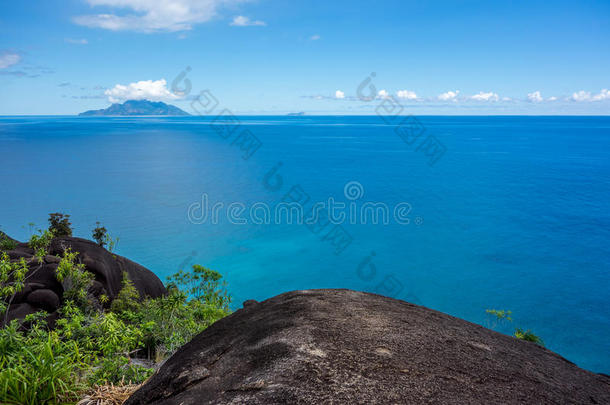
(514, 215)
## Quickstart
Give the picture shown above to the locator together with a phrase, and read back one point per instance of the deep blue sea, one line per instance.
(503, 212)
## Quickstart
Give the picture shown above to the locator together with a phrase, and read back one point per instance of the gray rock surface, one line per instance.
(347, 347)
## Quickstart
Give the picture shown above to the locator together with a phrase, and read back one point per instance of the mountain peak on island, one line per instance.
(137, 107)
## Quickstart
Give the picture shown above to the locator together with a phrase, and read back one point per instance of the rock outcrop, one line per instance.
(347, 347)
(42, 290)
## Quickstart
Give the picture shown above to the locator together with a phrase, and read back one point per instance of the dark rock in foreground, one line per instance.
(42, 290)
(347, 347)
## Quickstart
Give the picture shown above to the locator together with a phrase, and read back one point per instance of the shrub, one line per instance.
(6, 243)
(100, 234)
(40, 243)
(170, 322)
(128, 297)
(528, 335)
(203, 284)
(116, 370)
(59, 224)
(74, 278)
(500, 316)
(12, 278)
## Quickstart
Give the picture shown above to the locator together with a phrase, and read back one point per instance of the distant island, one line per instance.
(137, 107)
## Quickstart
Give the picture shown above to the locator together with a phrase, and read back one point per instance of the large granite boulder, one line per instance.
(42, 290)
(347, 347)
(108, 268)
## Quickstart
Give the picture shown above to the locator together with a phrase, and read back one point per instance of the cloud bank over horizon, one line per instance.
(454, 97)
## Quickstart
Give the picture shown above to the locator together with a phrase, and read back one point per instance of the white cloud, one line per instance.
(339, 94)
(603, 95)
(450, 95)
(81, 41)
(406, 94)
(535, 97)
(383, 94)
(552, 98)
(241, 21)
(153, 15)
(485, 96)
(315, 37)
(9, 59)
(582, 95)
(146, 89)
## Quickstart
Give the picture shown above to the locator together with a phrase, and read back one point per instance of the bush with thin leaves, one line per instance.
(40, 243)
(500, 316)
(529, 336)
(12, 278)
(74, 278)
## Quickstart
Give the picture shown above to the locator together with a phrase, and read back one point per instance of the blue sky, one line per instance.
(272, 56)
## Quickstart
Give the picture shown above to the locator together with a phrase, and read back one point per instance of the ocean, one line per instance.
(459, 214)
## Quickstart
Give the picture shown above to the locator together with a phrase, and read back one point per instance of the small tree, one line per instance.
(100, 234)
(74, 278)
(128, 298)
(60, 224)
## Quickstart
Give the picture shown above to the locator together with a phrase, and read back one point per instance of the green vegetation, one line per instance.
(59, 224)
(75, 279)
(501, 316)
(528, 335)
(101, 236)
(12, 277)
(40, 243)
(88, 346)
(6, 243)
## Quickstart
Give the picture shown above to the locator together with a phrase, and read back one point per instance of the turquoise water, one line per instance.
(515, 214)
